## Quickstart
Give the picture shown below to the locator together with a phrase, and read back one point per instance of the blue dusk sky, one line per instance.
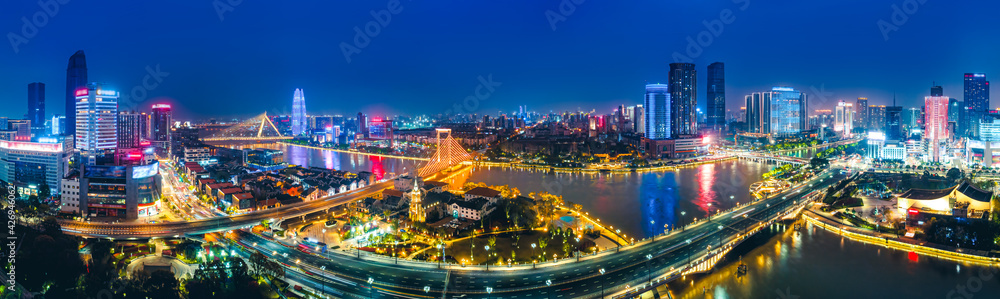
(222, 60)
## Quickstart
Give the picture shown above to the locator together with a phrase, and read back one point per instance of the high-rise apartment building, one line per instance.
(683, 99)
(658, 111)
(716, 103)
(639, 119)
(861, 119)
(76, 79)
(876, 117)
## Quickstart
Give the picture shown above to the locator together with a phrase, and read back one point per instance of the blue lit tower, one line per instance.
(76, 78)
(977, 99)
(298, 113)
(36, 104)
(657, 109)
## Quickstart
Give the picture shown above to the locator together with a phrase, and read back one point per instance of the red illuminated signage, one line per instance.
(913, 211)
(81, 92)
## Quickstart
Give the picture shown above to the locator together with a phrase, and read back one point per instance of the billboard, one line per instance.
(101, 171)
(145, 171)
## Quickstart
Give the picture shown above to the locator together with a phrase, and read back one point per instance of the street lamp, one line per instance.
(487, 257)
(709, 211)
(602, 282)
(440, 247)
(489, 291)
(720, 236)
(683, 225)
(533, 252)
(548, 283)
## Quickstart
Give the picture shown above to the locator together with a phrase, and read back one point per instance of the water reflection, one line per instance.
(812, 263)
(658, 198)
(350, 162)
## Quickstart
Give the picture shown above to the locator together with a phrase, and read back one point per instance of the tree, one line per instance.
(44, 192)
(543, 242)
(954, 174)
(262, 266)
(162, 284)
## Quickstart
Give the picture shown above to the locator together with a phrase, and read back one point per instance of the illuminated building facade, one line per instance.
(133, 127)
(936, 118)
(96, 119)
(417, 212)
(935, 124)
(657, 109)
(29, 165)
(380, 129)
(788, 108)
(298, 113)
(127, 192)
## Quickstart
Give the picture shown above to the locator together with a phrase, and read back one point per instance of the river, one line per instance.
(815, 263)
(782, 262)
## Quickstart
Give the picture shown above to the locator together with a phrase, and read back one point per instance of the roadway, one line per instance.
(176, 229)
(345, 273)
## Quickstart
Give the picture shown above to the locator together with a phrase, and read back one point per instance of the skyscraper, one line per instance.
(36, 104)
(298, 113)
(779, 111)
(912, 118)
(683, 99)
(936, 118)
(133, 127)
(76, 79)
(937, 91)
(977, 99)
(876, 117)
(639, 119)
(716, 96)
(758, 112)
(844, 118)
(160, 122)
(97, 118)
(893, 123)
(657, 108)
(861, 119)
(363, 124)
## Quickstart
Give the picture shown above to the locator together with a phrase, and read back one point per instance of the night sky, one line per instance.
(430, 54)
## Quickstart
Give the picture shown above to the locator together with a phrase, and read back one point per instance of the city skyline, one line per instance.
(339, 87)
